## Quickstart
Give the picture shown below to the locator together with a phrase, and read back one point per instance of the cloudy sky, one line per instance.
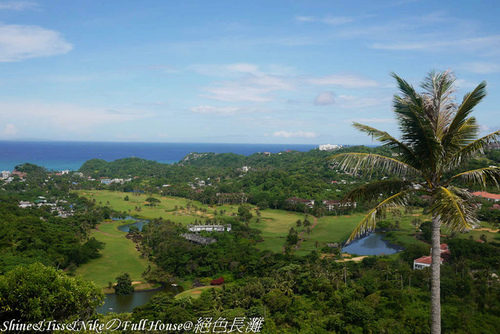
(232, 71)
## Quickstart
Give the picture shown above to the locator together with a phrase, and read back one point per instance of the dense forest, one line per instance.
(293, 294)
(54, 228)
(266, 180)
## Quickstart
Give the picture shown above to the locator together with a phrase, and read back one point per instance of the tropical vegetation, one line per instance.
(438, 137)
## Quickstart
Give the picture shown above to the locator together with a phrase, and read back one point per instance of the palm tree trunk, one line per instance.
(436, 276)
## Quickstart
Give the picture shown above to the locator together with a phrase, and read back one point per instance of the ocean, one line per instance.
(71, 155)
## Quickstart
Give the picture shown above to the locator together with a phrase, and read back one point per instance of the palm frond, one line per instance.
(439, 105)
(467, 152)
(366, 162)
(368, 223)
(469, 102)
(463, 130)
(482, 176)
(416, 125)
(386, 139)
(374, 190)
(407, 89)
(454, 208)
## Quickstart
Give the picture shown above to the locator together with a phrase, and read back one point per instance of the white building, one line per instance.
(4, 174)
(329, 147)
(209, 228)
(425, 261)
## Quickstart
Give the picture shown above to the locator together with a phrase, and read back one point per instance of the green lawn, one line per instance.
(274, 224)
(118, 256)
(166, 209)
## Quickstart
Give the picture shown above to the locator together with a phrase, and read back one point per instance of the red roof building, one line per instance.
(495, 207)
(425, 261)
(21, 175)
(218, 281)
(487, 195)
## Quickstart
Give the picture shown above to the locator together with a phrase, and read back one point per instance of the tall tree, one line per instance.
(438, 136)
(123, 285)
(35, 292)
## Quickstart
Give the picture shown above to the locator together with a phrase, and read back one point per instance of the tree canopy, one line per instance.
(36, 292)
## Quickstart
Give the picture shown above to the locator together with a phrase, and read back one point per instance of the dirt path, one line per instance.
(301, 235)
(355, 259)
(486, 229)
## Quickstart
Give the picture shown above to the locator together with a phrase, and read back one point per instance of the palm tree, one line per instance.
(438, 137)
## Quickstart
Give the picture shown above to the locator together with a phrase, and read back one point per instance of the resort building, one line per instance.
(198, 239)
(209, 228)
(425, 261)
(329, 147)
(4, 174)
(295, 200)
(339, 205)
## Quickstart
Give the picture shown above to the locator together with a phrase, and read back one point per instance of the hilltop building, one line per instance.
(5, 174)
(329, 147)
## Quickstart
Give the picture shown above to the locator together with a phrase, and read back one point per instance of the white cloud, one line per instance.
(66, 117)
(372, 120)
(488, 128)
(324, 99)
(355, 102)
(214, 110)
(18, 42)
(298, 134)
(402, 3)
(227, 70)
(487, 43)
(462, 83)
(17, 5)
(244, 68)
(344, 81)
(237, 92)
(481, 67)
(331, 20)
(239, 69)
(8, 130)
(249, 88)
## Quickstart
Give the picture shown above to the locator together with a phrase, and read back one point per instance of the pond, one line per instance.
(137, 222)
(127, 303)
(372, 244)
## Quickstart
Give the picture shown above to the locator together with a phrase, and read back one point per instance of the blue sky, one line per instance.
(232, 71)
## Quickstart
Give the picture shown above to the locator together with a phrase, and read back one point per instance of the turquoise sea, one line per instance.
(71, 155)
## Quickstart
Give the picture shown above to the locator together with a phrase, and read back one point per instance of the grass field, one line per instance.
(195, 293)
(118, 256)
(274, 224)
